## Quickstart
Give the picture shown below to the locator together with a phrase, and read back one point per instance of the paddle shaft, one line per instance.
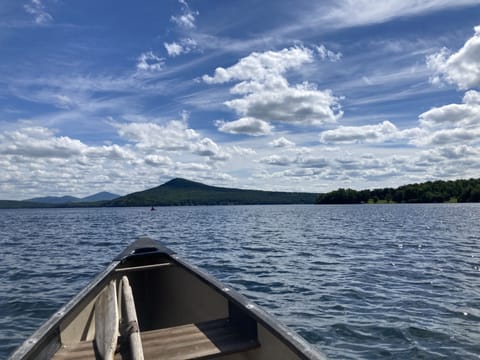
(131, 318)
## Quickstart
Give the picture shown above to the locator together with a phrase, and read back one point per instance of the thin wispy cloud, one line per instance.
(148, 61)
(184, 46)
(326, 54)
(348, 13)
(39, 12)
(186, 19)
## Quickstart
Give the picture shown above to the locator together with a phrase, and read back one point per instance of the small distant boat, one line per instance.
(151, 304)
(152, 209)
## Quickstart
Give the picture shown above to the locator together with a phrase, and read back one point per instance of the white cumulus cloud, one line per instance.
(300, 104)
(461, 68)
(367, 133)
(39, 142)
(463, 115)
(207, 147)
(175, 135)
(282, 142)
(243, 151)
(158, 160)
(262, 66)
(449, 136)
(112, 152)
(455, 152)
(246, 126)
(278, 160)
(173, 49)
(265, 94)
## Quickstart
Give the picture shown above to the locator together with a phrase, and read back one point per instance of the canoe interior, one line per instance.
(180, 315)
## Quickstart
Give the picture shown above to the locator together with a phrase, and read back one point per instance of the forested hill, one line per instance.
(185, 192)
(428, 192)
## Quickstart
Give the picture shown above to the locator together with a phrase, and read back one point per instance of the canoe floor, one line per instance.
(192, 341)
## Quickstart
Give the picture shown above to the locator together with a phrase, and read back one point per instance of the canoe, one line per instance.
(149, 303)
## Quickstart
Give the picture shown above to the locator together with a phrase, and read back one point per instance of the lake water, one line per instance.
(359, 282)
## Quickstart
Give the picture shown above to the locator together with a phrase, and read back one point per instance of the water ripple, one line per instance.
(359, 282)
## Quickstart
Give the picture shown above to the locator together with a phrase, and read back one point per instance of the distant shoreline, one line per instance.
(453, 191)
(182, 192)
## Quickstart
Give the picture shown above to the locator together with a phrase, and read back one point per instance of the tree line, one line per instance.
(428, 192)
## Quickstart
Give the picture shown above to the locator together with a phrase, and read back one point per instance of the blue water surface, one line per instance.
(358, 282)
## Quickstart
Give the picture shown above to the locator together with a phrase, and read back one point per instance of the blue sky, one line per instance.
(123, 96)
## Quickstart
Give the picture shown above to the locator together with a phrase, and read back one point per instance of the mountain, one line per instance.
(61, 200)
(101, 196)
(54, 199)
(14, 204)
(185, 192)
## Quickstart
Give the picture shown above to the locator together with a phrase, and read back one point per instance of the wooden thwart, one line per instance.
(144, 267)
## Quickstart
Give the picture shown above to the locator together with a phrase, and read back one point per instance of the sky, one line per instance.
(122, 96)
